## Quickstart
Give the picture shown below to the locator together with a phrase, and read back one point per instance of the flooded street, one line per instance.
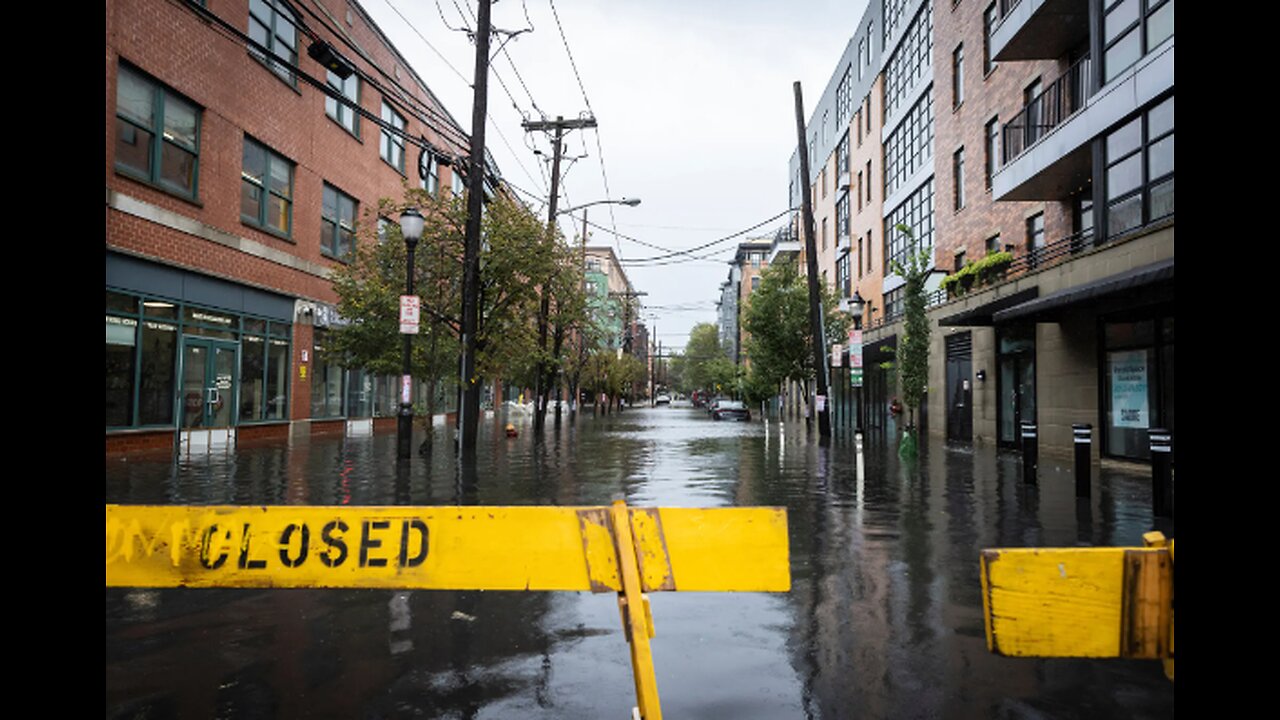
(884, 618)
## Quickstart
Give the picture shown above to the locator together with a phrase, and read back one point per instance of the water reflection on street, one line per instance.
(884, 619)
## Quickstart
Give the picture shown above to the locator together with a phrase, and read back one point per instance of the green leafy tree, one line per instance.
(913, 348)
(701, 355)
(369, 287)
(779, 343)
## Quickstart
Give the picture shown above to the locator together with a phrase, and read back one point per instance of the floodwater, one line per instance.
(884, 618)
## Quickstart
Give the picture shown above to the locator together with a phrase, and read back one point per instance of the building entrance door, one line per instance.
(208, 383)
(1016, 383)
(960, 387)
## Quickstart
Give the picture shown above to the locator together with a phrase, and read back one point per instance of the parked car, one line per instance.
(662, 400)
(731, 410)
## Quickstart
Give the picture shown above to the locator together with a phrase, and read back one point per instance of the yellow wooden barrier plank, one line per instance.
(442, 548)
(1077, 602)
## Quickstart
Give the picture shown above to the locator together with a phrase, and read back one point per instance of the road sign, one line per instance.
(410, 308)
(855, 358)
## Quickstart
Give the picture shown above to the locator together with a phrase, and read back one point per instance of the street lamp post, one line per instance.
(411, 225)
(855, 309)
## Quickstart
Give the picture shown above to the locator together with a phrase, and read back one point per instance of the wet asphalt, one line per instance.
(884, 618)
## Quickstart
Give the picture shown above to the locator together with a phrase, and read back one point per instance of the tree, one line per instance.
(913, 348)
(779, 343)
(700, 370)
(369, 287)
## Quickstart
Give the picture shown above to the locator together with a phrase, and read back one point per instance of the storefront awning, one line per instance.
(981, 315)
(1129, 280)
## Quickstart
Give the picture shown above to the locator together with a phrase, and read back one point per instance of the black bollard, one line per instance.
(1161, 472)
(1029, 453)
(1083, 435)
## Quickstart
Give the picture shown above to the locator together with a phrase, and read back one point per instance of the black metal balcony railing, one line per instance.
(1047, 110)
(1040, 258)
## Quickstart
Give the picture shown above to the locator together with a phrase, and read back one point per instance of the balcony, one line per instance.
(1047, 148)
(785, 245)
(1039, 29)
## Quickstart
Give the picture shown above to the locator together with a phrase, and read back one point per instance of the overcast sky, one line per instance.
(695, 108)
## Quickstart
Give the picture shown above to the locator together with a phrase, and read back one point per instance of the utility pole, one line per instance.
(542, 384)
(653, 368)
(815, 296)
(469, 408)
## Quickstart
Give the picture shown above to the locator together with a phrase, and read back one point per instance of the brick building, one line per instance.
(1035, 133)
(238, 169)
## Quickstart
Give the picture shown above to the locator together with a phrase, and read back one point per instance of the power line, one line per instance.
(707, 245)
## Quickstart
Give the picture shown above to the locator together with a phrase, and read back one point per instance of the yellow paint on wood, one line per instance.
(634, 620)
(442, 548)
(1062, 602)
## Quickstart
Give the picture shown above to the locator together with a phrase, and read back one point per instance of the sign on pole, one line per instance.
(855, 358)
(837, 353)
(410, 307)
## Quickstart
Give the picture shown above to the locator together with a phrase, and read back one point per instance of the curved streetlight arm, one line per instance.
(625, 201)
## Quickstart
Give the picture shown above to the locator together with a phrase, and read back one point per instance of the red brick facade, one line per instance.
(239, 97)
(985, 96)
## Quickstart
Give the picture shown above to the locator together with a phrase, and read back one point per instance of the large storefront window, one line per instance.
(326, 387)
(264, 371)
(141, 342)
(148, 338)
(1137, 383)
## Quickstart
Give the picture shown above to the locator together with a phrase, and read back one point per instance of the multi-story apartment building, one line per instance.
(1079, 327)
(750, 261)
(1032, 141)
(611, 299)
(727, 315)
(238, 170)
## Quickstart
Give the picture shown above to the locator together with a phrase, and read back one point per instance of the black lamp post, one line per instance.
(411, 225)
(855, 309)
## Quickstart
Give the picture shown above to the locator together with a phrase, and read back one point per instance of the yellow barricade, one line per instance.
(1081, 602)
(602, 549)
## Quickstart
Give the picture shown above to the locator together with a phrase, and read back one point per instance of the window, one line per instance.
(842, 217)
(272, 25)
(337, 224)
(826, 134)
(916, 212)
(429, 173)
(141, 343)
(824, 233)
(1132, 28)
(844, 98)
(910, 146)
(157, 133)
(1140, 169)
(862, 48)
(264, 371)
(755, 283)
(893, 304)
(326, 380)
(858, 191)
(857, 120)
(993, 244)
(1032, 103)
(992, 148)
(859, 257)
(842, 155)
(868, 115)
(457, 184)
(824, 181)
(957, 170)
(344, 115)
(868, 181)
(842, 276)
(959, 262)
(1035, 236)
(911, 60)
(266, 189)
(957, 76)
(392, 145)
(988, 26)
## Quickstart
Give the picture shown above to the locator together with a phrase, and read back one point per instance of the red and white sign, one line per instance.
(410, 309)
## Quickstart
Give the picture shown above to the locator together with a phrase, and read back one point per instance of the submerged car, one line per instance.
(731, 410)
(662, 400)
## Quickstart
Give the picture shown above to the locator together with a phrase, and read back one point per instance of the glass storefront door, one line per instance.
(1016, 383)
(208, 383)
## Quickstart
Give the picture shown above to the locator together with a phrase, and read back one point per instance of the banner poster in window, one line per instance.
(1129, 389)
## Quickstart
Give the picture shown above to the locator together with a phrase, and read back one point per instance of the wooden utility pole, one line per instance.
(815, 288)
(542, 383)
(469, 408)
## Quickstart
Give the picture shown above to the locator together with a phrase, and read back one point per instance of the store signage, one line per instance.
(1129, 405)
(410, 307)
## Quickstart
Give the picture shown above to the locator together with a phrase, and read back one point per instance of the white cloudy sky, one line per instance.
(695, 108)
